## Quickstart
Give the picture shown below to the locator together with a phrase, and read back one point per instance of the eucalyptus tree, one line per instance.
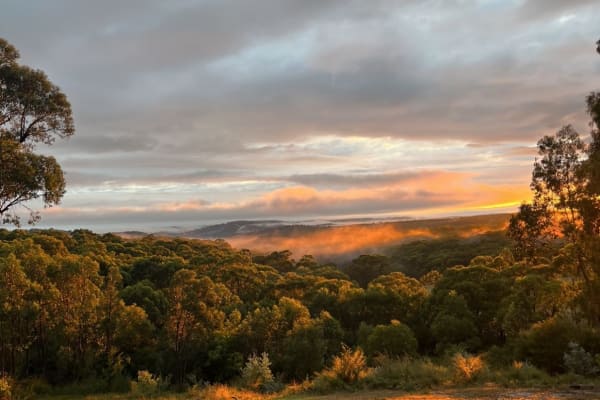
(32, 110)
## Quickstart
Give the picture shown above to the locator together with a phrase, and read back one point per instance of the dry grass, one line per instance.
(467, 367)
(222, 392)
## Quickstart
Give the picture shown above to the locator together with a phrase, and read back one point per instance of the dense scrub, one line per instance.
(82, 307)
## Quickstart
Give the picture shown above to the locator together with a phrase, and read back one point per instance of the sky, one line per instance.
(195, 112)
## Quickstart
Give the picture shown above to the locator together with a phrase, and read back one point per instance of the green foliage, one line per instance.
(566, 204)
(407, 374)
(146, 384)
(546, 342)
(26, 176)
(417, 258)
(579, 361)
(523, 374)
(453, 323)
(32, 110)
(395, 339)
(73, 310)
(256, 374)
(393, 296)
(367, 267)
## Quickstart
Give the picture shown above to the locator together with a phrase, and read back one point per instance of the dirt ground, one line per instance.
(465, 394)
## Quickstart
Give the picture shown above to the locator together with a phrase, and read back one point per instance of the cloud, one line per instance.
(358, 180)
(422, 195)
(236, 103)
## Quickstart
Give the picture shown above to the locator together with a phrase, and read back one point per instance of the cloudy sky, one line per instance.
(192, 112)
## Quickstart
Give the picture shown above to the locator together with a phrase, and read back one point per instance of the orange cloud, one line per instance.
(421, 194)
(424, 193)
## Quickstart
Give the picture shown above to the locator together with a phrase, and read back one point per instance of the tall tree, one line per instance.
(566, 188)
(32, 110)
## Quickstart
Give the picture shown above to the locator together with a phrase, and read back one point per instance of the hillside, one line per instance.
(337, 240)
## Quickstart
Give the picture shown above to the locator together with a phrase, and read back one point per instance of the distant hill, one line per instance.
(337, 239)
(232, 228)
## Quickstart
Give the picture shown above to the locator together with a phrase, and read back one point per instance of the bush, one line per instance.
(5, 388)
(256, 374)
(146, 384)
(326, 382)
(348, 369)
(407, 374)
(395, 339)
(546, 342)
(350, 365)
(523, 374)
(579, 361)
(467, 367)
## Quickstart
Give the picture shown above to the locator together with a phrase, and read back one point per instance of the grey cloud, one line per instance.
(260, 209)
(109, 144)
(190, 90)
(358, 180)
(545, 8)
(408, 84)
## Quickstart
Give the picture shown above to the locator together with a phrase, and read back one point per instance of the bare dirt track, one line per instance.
(464, 394)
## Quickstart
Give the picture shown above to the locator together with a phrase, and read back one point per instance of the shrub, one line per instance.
(5, 388)
(499, 357)
(467, 367)
(146, 384)
(347, 371)
(407, 374)
(350, 365)
(326, 382)
(523, 374)
(395, 339)
(546, 342)
(579, 361)
(256, 374)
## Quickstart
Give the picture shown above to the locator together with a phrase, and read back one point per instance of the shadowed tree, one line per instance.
(367, 267)
(530, 230)
(32, 110)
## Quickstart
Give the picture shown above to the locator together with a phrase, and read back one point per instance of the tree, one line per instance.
(367, 267)
(566, 187)
(530, 230)
(32, 110)
(395, 339)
